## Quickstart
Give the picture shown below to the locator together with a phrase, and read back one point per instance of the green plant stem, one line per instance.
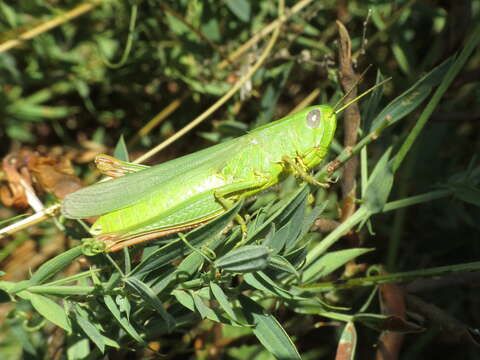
(72, 278)
(417, 199)
(389, 278)
(63, 290)
(313, 255)
(347, 154)
(398, 227)
(361, 215)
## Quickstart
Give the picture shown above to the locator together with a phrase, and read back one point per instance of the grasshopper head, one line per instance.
(318, 123)
(309, 133)
(322, 121)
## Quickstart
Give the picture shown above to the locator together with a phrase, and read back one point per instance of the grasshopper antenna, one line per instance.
(362, 95)
(360, 78)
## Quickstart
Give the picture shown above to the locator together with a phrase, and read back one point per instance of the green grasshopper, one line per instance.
(151, 202)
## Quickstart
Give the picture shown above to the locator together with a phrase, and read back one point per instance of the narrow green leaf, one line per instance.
(51, 311)
(314, 306)
(379, 185)
(297, 256)
(404, 57)
(288, 235)
(124, 305)
(190, 265)
(121, 152)
(262, 282)
(55, 265)
(245, 259)
(164, 276)
(408, 101)
(285, 212)
(184, 298)
(373, 102)
(147, 294)
(79, 348)
(268, 330)
(62, 291)
(261, 210)
(183, 272)
(222, 300)
(204, 311)
(90, 330)
(49, 269)
(241, 8)
(195, 303)
(9, 15)
(281, 212)
(278, 262)
(387, 322)
(467, 193)
(308, 221)
(278, 240)
(332, 260)
(114, 310)
(268, 242)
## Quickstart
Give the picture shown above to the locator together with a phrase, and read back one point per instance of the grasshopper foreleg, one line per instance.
(227, 204)
(300, 171)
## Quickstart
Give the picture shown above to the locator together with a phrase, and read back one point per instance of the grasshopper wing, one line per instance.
(130, 189)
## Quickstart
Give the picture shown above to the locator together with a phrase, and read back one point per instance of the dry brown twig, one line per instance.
(348, 79)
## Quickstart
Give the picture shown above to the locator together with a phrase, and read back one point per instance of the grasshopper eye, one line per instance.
(313, 118)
